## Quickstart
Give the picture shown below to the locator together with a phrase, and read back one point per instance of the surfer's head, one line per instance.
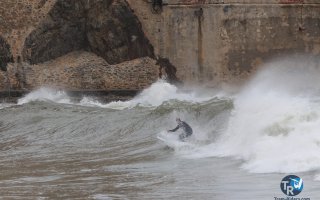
(178, 120)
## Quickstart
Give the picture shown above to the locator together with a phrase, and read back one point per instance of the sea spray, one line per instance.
(5, 105)
(158, 93)
(275, 123)
(46, 94)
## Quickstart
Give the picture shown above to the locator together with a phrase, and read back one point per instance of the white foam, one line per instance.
(5, 105)
(46, 94)
(90, 102)
(276, 121)
(158, 93)
(101, 197)
(317, 177)
(172, 140)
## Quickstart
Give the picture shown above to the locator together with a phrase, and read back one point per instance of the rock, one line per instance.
(82, 70)
(107, 28)
(5, 54)
(76, 45)
(62, 31)
(169, 71)
(114, 32)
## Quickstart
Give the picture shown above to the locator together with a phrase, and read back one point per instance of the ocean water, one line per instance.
(243, 144)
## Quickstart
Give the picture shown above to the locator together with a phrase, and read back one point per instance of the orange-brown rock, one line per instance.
(82, 71)
(69, 43)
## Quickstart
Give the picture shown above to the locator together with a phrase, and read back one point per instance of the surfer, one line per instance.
(187, 130)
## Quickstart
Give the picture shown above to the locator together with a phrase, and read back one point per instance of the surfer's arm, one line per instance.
(175, 129)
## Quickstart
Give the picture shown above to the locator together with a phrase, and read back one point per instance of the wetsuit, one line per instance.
(157, 3)
(187, 130)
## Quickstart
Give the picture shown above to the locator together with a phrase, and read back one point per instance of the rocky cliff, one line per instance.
(197, 41)
(107, 28)
(5, 54)
(73, 44)
(82, 70)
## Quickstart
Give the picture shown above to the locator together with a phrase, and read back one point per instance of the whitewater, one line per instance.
(244, 142)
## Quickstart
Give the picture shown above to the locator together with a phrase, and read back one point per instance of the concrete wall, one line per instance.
(232, 37)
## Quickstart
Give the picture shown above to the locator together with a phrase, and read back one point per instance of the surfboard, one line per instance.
(172, 140)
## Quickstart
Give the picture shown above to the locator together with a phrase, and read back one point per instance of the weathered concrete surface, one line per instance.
(82, 71)
(193, 2)
(228, 39)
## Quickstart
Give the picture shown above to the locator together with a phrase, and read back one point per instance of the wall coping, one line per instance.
(200, 2)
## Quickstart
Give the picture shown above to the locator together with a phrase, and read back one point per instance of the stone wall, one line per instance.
(213, 41)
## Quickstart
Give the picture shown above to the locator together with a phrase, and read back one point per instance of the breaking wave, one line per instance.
(46, 94)
(272, 124)
(154, 96)
(275, 123)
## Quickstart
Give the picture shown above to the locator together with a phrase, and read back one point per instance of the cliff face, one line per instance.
(197, 41)
(19, 18)
(82, 70)
(107, 28)
(60, 32)
(114, 32)
(41, 34)
(5, 54)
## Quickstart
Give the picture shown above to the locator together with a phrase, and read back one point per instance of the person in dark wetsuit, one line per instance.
(187, 130)
(157, 6)
(157, 3)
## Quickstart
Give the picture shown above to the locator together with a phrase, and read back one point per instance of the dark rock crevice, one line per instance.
(169, 70)
(108, 28)
(115, 33)
(60, 33)
(5, 54)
